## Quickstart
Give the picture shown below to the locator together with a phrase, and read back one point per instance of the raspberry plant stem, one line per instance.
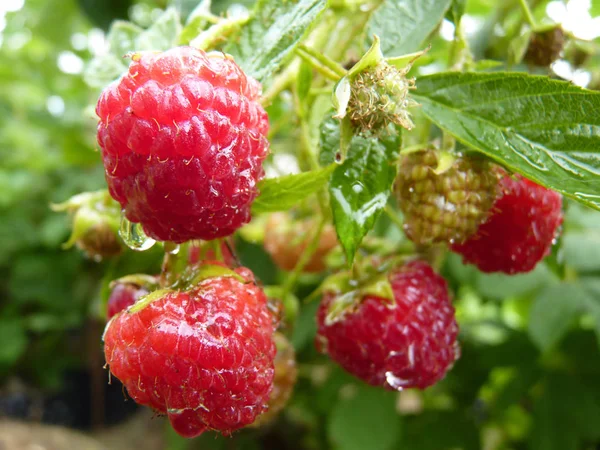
(218, 32)
(321, 68)
(307, 148)
(394, 218)
(323, 59)
(174, 263)
(280, 83)
(527, 13)
(304, 259)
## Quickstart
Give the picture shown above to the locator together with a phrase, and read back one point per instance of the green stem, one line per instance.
(322, 69)
(323, 59)
(414, 148)
(460, 55)
(315, 92)
(280, 83)
(174, 263)
(448, 142)
(307, 148)
(308, 253)
(217, 33)
(218, 249)
(527, 13)
(394, 218)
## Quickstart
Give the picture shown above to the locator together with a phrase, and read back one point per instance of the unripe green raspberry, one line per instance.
(446, 205)
(379, 96)
(545, 47)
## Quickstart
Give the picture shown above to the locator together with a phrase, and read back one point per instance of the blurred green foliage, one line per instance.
(47, 154)
(528, 376)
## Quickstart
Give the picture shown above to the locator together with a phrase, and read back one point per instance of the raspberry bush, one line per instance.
(305, 224)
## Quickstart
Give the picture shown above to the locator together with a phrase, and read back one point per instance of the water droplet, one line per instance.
(394, 381)
(134, 237)
(357, 187)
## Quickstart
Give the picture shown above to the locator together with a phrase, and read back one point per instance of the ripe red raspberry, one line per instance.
(122, 296)
(406, 342)
(286, 240)
(183, 137)
(446, 206)
(203, 356)
(520, 231)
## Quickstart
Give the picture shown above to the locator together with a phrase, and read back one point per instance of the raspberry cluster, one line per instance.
(498, 222)
(183, 137)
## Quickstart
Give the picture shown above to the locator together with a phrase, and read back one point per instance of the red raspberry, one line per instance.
(406, 342)
(520, 231)
(183, 140)
(203, 356)
(122, 296)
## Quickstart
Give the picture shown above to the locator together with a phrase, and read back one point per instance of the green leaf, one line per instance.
(582, 250)
(566, 414)
(592, 301)
(122, 37)
(283, 193)
(499, 286)
(163, 34)
(104, 69)
(553, 311)
(13, 342)
(329, 140)
(547, 130)
(360, 187)
(441, 430)
(272, 34)
(403, 25)
(366, 408)
(456, 11)
(303, 83)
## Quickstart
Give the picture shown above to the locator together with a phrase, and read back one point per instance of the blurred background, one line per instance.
(530, 370)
